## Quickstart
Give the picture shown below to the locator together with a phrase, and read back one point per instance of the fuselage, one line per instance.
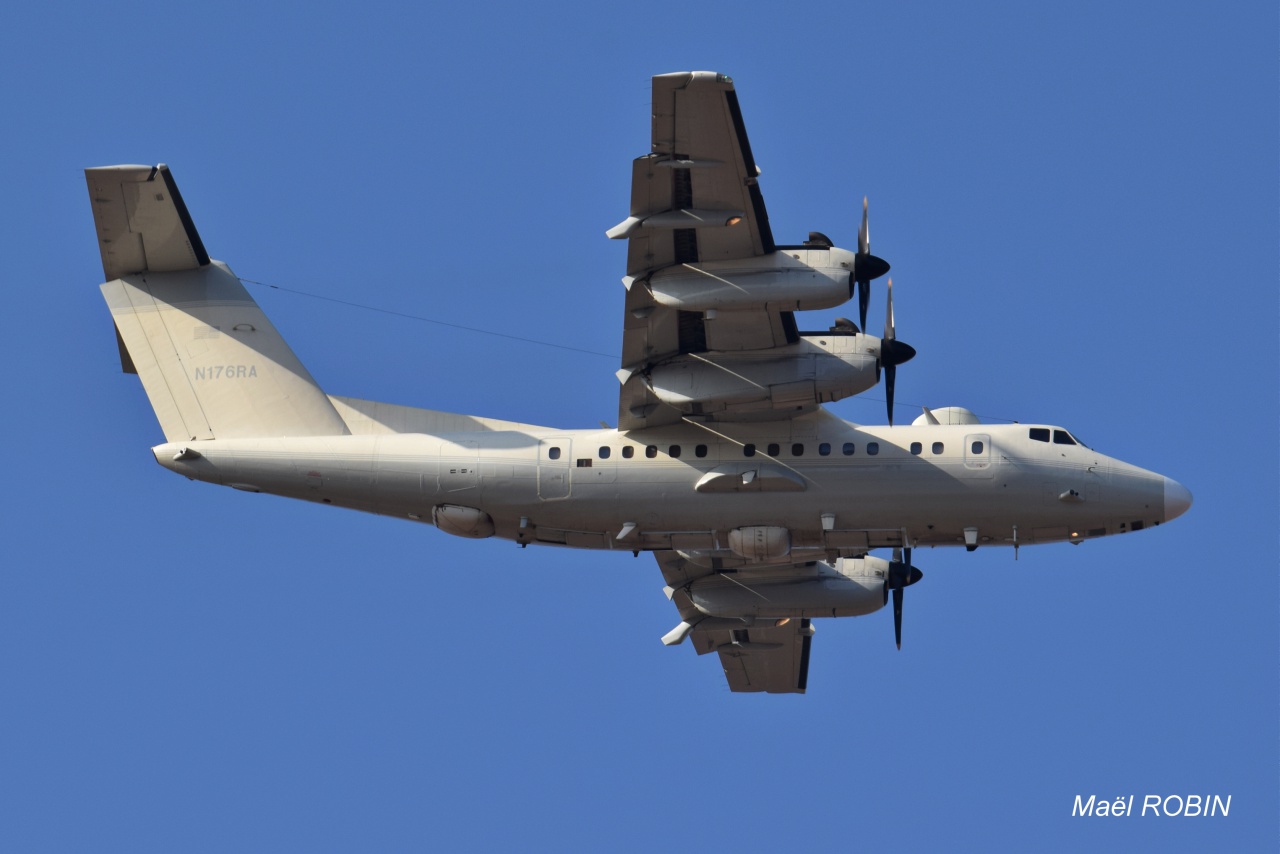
(833, 487)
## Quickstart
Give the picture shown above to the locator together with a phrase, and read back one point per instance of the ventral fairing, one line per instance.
(761, 508)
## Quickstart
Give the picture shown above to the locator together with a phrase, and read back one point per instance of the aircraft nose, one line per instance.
(1177, 498)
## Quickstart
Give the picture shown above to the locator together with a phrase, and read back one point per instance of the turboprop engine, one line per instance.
(850, 588)
(799, 279)
(817, 369)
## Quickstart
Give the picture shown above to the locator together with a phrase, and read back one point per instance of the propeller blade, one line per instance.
(897, 616)
(889, 328)
(864, 231)
(864, 301)
(901, 576)
(865, 267)
(890, 377)
(886, 346)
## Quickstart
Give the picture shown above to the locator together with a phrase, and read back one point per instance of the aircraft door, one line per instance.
(555, 456)
(977, 455)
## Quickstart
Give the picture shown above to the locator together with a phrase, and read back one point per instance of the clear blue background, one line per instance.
(1080, 205)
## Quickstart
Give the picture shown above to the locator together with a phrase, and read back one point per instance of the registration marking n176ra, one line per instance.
(227, 372)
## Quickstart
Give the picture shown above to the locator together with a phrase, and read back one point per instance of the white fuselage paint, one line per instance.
(1012, 490)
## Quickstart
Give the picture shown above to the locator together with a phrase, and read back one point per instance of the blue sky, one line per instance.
(1080, 205)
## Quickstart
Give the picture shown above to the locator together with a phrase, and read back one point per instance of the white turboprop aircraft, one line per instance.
(760, 506)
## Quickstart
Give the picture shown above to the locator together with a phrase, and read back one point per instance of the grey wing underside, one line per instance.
(701, 168)
(760, 658)
(772, 660)
(697, 125)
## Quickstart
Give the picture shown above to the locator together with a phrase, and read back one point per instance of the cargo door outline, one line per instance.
(553, 474)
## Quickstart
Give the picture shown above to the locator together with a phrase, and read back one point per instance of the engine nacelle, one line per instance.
(852, 588)
(819, 369)
(790, 280)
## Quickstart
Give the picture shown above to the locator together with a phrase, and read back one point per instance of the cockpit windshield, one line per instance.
(1054, 435)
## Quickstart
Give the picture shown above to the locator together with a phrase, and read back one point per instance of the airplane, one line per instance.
(760, 506)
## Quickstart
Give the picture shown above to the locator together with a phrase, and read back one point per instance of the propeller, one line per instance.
(892, 353)
(865, 268)
(901, 576)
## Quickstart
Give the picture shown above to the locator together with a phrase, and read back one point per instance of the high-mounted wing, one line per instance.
(695, 197)
(709, 330)
(762, 657)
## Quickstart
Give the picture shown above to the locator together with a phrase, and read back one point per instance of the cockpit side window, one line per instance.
(1062, 437)
(1039, 434)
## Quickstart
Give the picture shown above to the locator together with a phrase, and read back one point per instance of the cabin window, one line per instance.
(651, 451)
(553, 453)
(916, 448)
(628, 451)
(824, 449)
(975, 448)
(604, 452)
(937, 447)
(700, 450)
(797, 449)
(1039, 434)
(748, 450)
(774, 449)
(1062, 437)
(847, 450)
(674, 452)
(873, 448)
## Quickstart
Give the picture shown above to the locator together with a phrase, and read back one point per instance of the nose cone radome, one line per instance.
(1177, 498)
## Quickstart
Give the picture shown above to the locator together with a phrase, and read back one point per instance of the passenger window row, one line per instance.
(773, 449)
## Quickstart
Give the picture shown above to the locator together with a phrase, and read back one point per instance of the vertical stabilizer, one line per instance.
(212, 365)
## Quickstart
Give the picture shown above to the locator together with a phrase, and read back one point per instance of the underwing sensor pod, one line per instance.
(762, 509)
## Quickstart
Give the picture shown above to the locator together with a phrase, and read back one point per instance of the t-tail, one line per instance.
(211, 363)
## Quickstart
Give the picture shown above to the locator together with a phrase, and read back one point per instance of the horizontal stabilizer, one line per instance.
(142, 222)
